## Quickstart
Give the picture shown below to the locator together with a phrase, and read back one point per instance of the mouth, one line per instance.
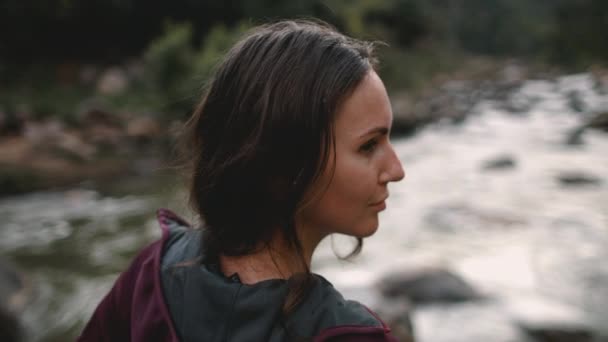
(380, 205)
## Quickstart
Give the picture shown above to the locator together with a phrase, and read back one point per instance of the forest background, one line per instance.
(104, 81)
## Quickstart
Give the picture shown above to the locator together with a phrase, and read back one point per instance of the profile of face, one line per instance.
(349, 199)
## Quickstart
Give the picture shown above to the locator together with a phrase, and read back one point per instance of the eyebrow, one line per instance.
(382, 130)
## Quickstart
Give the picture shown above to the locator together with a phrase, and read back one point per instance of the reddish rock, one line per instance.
(112, 81)
(143, 127)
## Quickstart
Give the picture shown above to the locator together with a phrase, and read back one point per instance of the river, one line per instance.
(517, 231)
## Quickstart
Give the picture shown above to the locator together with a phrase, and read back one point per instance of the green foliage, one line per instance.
(399, 22)
(424, 37)
(502, 27)
(42, 98)
(168, 59)
(217, 42)
(273, 9)
(175, 70)
(580, 36)
(569, 31)
(413, 69)
(402, 22)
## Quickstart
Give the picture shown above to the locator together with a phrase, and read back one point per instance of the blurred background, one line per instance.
(498, 233)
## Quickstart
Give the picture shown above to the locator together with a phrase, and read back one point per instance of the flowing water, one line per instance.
(535, 246)
(519, 235)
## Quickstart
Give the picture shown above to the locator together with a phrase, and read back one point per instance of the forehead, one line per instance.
(366, 108)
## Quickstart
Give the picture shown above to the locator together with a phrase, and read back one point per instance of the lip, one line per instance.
(380, 205)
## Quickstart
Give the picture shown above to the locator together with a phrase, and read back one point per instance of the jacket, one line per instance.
(165, 295)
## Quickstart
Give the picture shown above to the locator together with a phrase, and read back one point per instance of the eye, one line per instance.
(369, 146)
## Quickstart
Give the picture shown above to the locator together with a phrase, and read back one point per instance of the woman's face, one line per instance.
(365, 163)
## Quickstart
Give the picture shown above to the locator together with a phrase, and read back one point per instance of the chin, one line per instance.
(368, 233)
(366, 230)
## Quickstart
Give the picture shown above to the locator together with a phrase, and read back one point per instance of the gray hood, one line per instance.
(205, 305)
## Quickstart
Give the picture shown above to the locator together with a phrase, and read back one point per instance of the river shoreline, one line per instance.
(105, 144)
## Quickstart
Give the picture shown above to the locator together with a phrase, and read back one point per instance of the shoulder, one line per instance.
(333, 309)
(337, 319)
(136, 291)
(181, 241)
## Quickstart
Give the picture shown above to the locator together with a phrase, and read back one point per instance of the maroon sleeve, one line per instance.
(134, 310)
(111, 319)
(357, 333)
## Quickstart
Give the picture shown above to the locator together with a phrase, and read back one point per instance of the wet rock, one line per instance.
(13, 288)
(406, 120)
(51, 159)
(599, 121)
(575, 101)
(457, 217)
(427, 285)
(519, 103)
(51, 136)
(10, 329)
(503, 162)
(105, 136)
(545, 320)
(453, 101)
(513, 73)
(42, 133)
(92, 112)
(143, 128)
(16, 180)
(14, 293)
(578, 178)
(15, 151)
(10, 124)
(601, 80)
(575, 137)
(73, 146)
(101, 127)
(112, 81)
(559, 334)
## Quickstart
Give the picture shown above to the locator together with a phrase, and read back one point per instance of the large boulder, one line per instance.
(578, 178)
(10, 330)
(545, 320)
(143, 128)
(427, 285)
(14, 293)
(112, 81)
(501, 162)
(14, 289)
(599, 121)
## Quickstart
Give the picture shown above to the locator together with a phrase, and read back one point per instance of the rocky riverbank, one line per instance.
(452, 97)
(496, 234)
(499, 230)
(100, 142)
(49, 153)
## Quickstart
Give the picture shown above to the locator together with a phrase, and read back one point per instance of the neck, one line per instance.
(275, 260)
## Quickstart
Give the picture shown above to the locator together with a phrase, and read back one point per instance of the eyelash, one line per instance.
(369, 146)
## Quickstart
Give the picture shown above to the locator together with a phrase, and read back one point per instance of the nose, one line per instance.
(392, 171)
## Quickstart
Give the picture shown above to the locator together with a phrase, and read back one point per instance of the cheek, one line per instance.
(355, 179)
(351, 186)
(343, 207)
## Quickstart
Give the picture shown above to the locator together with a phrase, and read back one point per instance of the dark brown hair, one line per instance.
(263, 133)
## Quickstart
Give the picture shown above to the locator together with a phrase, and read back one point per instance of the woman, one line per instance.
(289, 144)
